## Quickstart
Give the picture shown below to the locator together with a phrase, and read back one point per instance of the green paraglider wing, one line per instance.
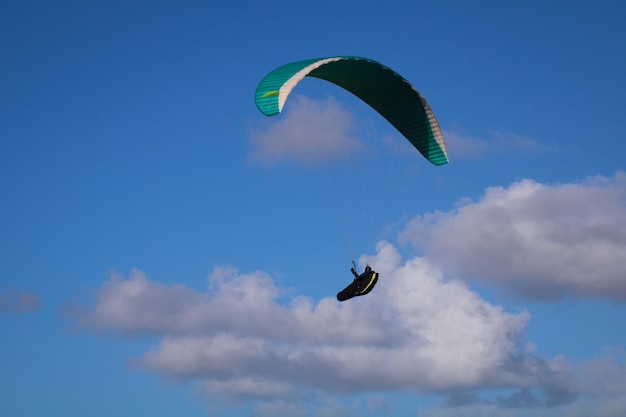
(377, 85)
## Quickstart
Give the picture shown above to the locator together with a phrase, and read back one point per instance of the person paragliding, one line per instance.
(377, 85)
(362, 284)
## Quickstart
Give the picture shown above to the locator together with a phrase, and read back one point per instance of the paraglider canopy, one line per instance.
(377, 85)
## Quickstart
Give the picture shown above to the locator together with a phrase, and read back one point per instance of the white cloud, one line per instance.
(599, 385)
(541, 241)
(416, 331)
(246, 338)
(309, 132)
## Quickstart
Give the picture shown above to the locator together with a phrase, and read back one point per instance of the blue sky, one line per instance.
(168, 250)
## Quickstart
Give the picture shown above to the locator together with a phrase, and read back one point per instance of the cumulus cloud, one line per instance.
(244, 338)
(19, 302)
(309, 132)
(599, 384)
(542, 241)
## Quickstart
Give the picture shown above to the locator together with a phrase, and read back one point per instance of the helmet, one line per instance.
(368, 269)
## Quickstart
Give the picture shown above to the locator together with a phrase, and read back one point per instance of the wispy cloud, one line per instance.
(497, 142)
(541, 241)
(18, 301)
(308, 132)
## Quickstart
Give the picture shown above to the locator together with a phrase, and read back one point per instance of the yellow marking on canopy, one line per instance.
(274, 93)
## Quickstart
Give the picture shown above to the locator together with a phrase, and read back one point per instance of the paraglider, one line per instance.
(377, 85)
(362, 284)
(392, 96)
